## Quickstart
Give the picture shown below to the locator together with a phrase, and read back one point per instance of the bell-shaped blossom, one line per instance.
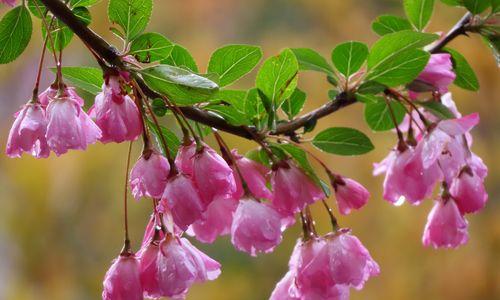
(122, 281)
(183, 200)
(212, 175)
(148, 177)
(216, 220)
(285, 289)
(254, 175)
(116, 113)
(438, 72)
(446, 227)
(293, 189)
(468, 191)
(149, 271)
(256, 227)
(69, 127)
(350, 195)
(185, 158)
(28, 132)
(51, 92)
(406, 178)
(477, 165)
(180, 265)
(452, 159)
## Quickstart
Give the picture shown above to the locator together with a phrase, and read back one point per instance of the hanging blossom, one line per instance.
(438, 73)
(122, 281)
(254, 175)
(349, 194)
(148, 177)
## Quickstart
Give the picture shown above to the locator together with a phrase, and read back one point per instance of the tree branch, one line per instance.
(106, 51)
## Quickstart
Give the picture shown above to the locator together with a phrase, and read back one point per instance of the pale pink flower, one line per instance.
(293, 189)
(9, 2)
(185, 157)
(148, 177)
(122, 281)
(446, 227)
(350, 195)
(468, 191)
(254, 175)
(256, 227)
(51, 92)
(28, 132)
(438, 72)
(116, 113)
(216, 220)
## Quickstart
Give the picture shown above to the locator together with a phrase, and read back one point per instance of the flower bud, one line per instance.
(148, 177)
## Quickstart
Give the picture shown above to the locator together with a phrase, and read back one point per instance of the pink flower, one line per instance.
(185, 157)
(69, 127)
(149, 271)
(116, 113)
(293, 189)
(446, 227)
(183, 200)
(256, 227)
(468, 191)
(438, 72)
(406, 178)
(212, 175)
(253, 174)
(148, 177)
(51, 92)
(28, 132)
(216, 220)
(477, 165)
(284, 289)
(350, 195)
(122, 281)
(9, 2)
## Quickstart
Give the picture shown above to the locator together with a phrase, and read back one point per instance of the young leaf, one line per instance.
(349, 57)
(171, 139)
(343, 141)
(466, 78)
(233, 62)
(389, 24)
(378, 116)
(476, 6)
(395, 59)
(150, 47)
(293, 105)
(15, 33)
(438, 109)
(180, 85)
(419, 12)
(180, 57)
(87, 78)
(310, 60)
(131, 15)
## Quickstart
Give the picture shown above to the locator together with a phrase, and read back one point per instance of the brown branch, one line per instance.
(112, 56)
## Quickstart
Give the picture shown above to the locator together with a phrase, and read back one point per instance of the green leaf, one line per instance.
(389, 24)
(378, 116)
(419, 12)
(466, 78)
(476, 6)
(230, 114)
(159, 108)
(32, 8)
(368, 98)
(254, 108)
(453, 2)
(180, 57)
(395, 59)
(83, 3)
(62, 34)
(150, 47)
(343, 141)
(437, 109)
(131, 15)
(180, 85)
(495, 6)
(310, 60)
(87, 78)
(171, 139)
(493, 42)
(294, 104)
(15, 33)
(234, 97)
(277, 78)
(371, 87)
(260, 156)
(233, 62)
(349, 57)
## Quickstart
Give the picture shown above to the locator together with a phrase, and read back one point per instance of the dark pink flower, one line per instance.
(148, 177)
(438, 72)
(116, 113)
(216, 220)
(350, 195)
(293, 189)
(446, 227)
(254, 175)
(256, 227)
(468, 191)
(122, 281)
(185, 158)
(28, 132)
(69, 127)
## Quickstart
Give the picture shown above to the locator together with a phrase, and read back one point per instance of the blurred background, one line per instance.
(61, 218)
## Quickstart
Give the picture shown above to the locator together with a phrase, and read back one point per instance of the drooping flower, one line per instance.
(212, 175)
(51, 92)
(216, 220)
(9, 2)
(28, 132)
(185, 157)
(148, 177)
(349, 194)
(122, 281)
(149, 271)
(438, 72)
(254, 175)
(446, 227)
(468, 191)
(293, 189)
(256, 227)
(116, 113)
(69, 127)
